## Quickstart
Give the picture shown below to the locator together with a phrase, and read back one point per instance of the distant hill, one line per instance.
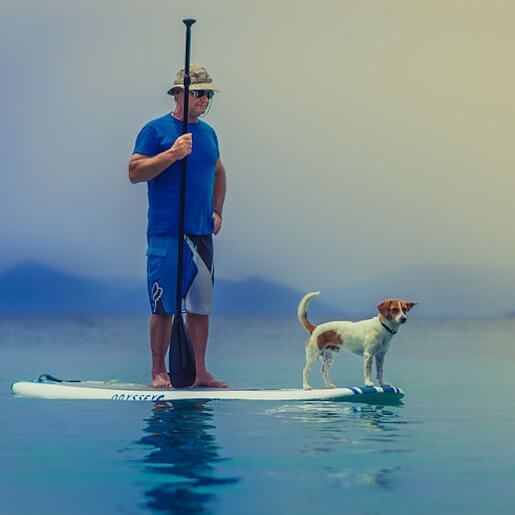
(256, 295)
(37, 288)
(32, 287)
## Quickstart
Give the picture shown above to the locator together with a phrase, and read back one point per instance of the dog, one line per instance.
(368, 338)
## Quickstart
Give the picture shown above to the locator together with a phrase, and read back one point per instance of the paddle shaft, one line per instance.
(182, 207)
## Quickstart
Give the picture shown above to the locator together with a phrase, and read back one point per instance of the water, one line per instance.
(448, 449)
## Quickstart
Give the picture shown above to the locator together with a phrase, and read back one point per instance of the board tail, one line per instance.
(302, 311)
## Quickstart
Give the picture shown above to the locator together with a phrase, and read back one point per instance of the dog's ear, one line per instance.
(384, 308)
(409, 305)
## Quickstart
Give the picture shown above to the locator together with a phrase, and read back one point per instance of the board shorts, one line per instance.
(197, 279)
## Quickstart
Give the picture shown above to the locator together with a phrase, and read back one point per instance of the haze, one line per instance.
(358, 137)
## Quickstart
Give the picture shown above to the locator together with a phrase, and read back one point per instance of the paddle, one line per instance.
(181, 359)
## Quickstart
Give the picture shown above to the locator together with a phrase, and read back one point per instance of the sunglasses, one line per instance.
(199, 93)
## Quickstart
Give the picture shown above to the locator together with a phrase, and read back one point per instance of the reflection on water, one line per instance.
(185, 454)
(359, 433)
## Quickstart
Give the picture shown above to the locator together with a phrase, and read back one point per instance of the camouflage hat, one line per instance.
(200, 79)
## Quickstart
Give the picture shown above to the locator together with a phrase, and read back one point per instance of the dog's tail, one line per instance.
(302, 313)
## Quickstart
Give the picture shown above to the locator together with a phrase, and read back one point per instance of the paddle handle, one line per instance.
(187, 79)
(182, 208)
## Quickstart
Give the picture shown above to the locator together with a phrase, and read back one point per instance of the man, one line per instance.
(159, 149)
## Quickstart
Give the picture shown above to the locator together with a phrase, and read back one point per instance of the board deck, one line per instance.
(114, 390)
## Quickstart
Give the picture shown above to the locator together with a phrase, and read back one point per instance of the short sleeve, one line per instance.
(146, 142)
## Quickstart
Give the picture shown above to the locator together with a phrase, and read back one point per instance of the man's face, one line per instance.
(197, 103)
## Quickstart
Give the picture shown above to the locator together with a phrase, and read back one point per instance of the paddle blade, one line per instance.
(181, 359)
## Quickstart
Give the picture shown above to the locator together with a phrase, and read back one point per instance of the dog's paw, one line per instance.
(307, 387)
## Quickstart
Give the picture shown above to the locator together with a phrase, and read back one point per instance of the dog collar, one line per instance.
(391, 331)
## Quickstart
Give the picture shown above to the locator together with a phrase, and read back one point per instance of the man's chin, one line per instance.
(195, 113)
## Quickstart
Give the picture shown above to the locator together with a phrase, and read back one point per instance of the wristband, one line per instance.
(218, 213)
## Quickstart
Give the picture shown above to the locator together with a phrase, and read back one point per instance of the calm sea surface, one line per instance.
(449, 448)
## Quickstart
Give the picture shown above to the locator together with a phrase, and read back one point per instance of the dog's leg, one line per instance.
(311, 357)
(367, 368)
(327, 360)
(379, 368)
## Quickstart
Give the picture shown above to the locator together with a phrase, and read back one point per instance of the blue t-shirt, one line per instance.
(164, 190)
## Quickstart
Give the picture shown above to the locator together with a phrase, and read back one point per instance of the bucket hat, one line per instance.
(200, 79)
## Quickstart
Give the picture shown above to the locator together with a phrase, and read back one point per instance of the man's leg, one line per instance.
(198, 328)
(160, 333)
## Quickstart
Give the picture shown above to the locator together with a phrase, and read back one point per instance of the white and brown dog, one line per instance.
(368, 338)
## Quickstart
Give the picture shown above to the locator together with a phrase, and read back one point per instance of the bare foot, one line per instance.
(161, 380)
(207, 380)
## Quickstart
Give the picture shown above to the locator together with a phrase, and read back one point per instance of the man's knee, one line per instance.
(160, 319)
(195, 322)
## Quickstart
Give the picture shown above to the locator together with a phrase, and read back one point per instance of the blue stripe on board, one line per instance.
(355, 391)
(368, 389)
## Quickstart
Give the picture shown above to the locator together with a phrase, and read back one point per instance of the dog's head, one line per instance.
(395, 310)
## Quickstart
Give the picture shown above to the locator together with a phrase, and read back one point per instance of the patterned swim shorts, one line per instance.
(198, 273)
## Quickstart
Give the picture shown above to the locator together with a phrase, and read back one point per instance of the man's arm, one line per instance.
(219, 195)
(145, 168)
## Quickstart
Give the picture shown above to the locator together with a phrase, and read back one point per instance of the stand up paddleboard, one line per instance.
(49, 387)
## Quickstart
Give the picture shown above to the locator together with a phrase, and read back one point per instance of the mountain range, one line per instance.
(440, 291)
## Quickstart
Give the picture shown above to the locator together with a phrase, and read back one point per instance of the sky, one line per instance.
(358, 137)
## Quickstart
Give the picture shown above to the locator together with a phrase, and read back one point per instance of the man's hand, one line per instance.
(217, 219)
(182, 146)
(145, 168)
